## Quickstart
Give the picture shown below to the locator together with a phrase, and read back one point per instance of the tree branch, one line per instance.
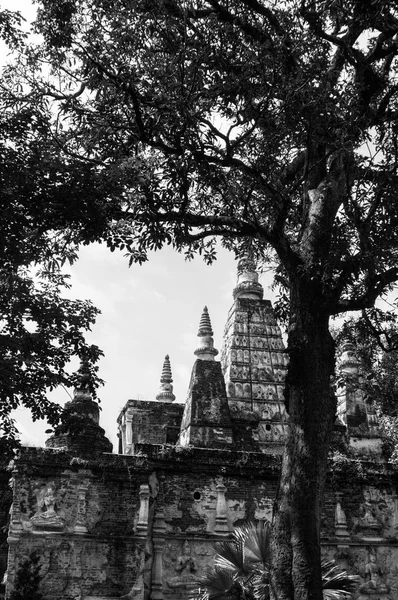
(227, 17)
(375, 286)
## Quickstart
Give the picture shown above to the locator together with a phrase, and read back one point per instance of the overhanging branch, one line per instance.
(375, 286)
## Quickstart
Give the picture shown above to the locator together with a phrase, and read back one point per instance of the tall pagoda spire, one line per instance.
(166, 388)
(254, 361)
(206, 350)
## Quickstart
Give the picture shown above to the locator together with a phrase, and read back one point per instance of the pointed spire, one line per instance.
(82, 389)
(166, 389)
(205, 323)
(247, 285)
(206, 350)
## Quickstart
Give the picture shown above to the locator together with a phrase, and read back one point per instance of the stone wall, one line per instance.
(79, 517)
(102, 526)
(145, 525)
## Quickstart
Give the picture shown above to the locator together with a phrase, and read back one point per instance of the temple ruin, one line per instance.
(141, 524)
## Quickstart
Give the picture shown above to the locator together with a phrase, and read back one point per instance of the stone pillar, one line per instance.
(15, 527)
(221, 525)
(340, 520)
(143, 515)
(394, 498)
(123, 433)
(128, 434)
(159, 530)
(80, 525)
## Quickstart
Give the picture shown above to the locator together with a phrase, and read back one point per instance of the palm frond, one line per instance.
(216, 585)
(336, 582)
(199, 594)
(257, 540)
(260, 584)
(231, 556)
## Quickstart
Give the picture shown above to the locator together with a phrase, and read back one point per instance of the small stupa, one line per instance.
(354, 408)
(166, 383)
(206, 350)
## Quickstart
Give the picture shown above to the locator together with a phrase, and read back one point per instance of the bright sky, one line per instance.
(147, 312)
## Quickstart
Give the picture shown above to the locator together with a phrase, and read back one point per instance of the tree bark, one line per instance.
(296, 562)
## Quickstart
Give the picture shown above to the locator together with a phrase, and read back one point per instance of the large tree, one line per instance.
(264, 122)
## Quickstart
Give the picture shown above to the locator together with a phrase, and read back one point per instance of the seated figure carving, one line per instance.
(185, 568)
(46, 516)
(374, 577)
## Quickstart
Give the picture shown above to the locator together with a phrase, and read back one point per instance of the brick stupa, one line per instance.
(206, 421)
(80, 431)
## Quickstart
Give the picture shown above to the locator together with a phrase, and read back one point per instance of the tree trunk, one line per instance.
(296, 562)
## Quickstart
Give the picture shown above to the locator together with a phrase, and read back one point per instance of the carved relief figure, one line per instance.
(186, 568)
(259, 392)
(46, 516)
(234, 372)
(247, 390)
(369, 515)
(245, 372)
(185, 562)
(374, 576)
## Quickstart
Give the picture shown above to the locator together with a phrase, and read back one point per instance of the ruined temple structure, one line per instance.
(141, 524)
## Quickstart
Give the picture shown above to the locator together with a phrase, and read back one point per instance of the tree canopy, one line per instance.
(40, 329)
(274, 121)
(264, 123)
